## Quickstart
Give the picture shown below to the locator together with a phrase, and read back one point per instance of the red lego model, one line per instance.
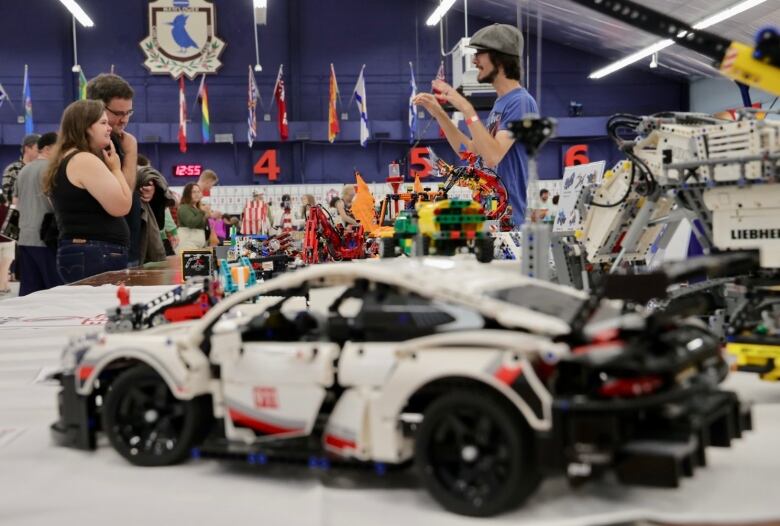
(325, 242)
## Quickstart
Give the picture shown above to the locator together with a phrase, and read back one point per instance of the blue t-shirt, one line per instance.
(513, 168)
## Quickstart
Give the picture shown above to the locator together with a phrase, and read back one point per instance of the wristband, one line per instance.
(471, 120)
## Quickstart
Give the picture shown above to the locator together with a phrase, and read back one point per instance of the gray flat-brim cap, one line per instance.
(498, 37)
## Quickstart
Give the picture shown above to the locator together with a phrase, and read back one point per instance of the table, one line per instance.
(44, 484)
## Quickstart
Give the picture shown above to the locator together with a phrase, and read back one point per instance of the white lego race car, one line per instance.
(484, 379)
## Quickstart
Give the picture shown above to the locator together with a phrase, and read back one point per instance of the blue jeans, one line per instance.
(79, 258)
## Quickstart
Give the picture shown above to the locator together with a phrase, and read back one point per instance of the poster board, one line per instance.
(576, 179)
(197, 263)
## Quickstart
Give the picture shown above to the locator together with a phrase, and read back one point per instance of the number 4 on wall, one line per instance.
(266, 165)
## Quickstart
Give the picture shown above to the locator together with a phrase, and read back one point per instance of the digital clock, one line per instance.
(187, 170)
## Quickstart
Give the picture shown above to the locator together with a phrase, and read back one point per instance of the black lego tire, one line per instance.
(513, 479)
(485, 249)
(129, 395)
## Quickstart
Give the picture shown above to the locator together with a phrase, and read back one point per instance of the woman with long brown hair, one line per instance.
(193, 215)
(89, 193)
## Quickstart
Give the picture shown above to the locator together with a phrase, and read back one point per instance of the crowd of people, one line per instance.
(89, 202)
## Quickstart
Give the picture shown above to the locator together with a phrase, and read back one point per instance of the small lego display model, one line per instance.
(236, 275)
(185, 302)
(754, 333)
(486, 381)
(443, 228)
(485, 184)
(324, 241)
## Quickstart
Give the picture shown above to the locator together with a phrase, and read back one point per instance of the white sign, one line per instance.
(182, 39)
(575, 180)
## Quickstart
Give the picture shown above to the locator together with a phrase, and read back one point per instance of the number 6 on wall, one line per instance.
(266, 165)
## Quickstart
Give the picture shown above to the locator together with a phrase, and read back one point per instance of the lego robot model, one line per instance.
(323, 241)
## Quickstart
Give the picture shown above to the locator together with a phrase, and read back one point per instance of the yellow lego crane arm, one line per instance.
(757, 67)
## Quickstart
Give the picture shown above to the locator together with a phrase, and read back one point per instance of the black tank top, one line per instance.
(81, 216)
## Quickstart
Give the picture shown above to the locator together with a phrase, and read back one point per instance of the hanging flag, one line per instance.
(3, 96)
(412, 107)
(333, 117)
(252, 95)
(360, 99)
(205, 123)
(82, 85)
(440, 76)
(281, 104)
(27, 98)
(182, 117)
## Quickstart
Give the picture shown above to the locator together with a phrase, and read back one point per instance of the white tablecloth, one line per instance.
(44, 484)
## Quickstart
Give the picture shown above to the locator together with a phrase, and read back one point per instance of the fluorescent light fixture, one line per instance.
(261, 4)
(663, 44)
(439, 12)
(78, 13)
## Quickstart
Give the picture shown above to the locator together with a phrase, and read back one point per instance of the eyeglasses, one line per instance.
(120, 114)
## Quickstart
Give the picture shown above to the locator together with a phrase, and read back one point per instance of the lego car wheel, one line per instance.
(158, 319)
(473, 454)
(485, 249)
(146, 424)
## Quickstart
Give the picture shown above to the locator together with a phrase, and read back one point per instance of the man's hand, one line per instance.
(446, 93)
(429, 102)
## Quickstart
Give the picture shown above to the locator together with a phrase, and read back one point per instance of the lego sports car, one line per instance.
(481, 378)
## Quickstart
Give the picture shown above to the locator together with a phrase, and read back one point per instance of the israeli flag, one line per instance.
(360, 99)
(412, 107)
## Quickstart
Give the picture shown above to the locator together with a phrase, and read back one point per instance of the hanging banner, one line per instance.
(182, 39)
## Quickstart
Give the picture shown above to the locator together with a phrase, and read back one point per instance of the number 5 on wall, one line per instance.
(267, 165)
(419, 157)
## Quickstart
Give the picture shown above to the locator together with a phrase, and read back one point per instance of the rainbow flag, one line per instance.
(205, 123)
(82, 85)
(333, 116)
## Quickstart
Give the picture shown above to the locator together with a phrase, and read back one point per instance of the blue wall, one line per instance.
(305, 35)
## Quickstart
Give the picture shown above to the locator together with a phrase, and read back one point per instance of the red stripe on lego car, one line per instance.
(85, 371)
(508, 375)
(339, 443)
(241, 419)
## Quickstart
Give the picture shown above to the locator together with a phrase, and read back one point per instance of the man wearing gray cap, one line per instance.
(497, 59)
(11, 172)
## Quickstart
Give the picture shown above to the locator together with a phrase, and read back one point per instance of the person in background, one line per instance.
(155, 200)
(38, 260)
(256, 218)
(285, 219)
(89, 193)
(307, 202)
(543, 214)
(117, 97)
(170, 230)
(499, 49)
(11, 172)
(193, 217)
(207, 180)
(344, 206)
(7, 248)
(218, 229)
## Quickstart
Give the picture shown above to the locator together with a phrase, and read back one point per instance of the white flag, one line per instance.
(360, 99)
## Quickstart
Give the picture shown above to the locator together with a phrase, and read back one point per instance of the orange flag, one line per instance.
(333, 117)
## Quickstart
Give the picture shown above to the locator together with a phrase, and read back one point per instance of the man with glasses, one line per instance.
(497, 59)
(117, 95)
